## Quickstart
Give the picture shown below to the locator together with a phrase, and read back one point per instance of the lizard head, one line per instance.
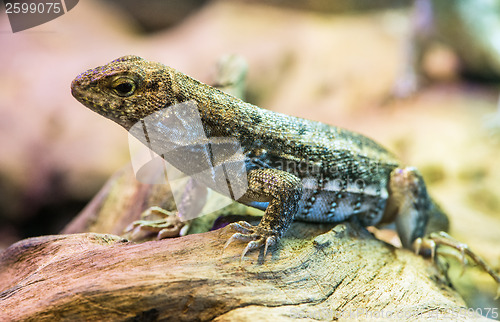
(126, 90)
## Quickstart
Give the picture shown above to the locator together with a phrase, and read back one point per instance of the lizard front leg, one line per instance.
(283, 191)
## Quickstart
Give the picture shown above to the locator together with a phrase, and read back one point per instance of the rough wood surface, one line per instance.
(317, 273)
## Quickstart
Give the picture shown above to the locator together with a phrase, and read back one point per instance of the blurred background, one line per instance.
(421, 78)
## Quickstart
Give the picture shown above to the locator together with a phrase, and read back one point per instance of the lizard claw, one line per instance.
(237, 236)
(243, 227)
(255, 235)
(251, 245)
(270, 241)
(417, 245)
(445, 239)
(442, 238)
(424, 245)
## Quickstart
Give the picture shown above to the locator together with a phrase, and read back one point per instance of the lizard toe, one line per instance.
(256, 236)
(243, 227)
(270, 241)
(254, 244)
(240, 236)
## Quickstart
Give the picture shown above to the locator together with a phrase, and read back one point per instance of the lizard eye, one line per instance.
(123, 86)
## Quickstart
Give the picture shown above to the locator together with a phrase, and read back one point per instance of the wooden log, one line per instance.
(317, 272)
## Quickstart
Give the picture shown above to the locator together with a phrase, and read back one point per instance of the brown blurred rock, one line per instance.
(155, 15)
(337, 6)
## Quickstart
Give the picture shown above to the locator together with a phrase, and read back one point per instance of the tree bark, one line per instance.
(317, 272)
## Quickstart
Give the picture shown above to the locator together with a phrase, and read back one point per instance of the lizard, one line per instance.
(295, 168)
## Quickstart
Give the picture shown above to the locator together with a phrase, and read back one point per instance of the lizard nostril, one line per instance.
(75, 84)
(76, 81)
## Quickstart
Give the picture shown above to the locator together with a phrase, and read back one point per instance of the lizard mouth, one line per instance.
(76, 88)
(80, 91)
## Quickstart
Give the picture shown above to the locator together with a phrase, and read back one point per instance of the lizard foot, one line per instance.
(155, 219)
(255, 235)
(430, 243)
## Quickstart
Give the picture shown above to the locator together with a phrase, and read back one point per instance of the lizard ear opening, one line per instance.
(123, 86)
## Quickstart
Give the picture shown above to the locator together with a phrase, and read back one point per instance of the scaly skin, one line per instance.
(295, 168)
